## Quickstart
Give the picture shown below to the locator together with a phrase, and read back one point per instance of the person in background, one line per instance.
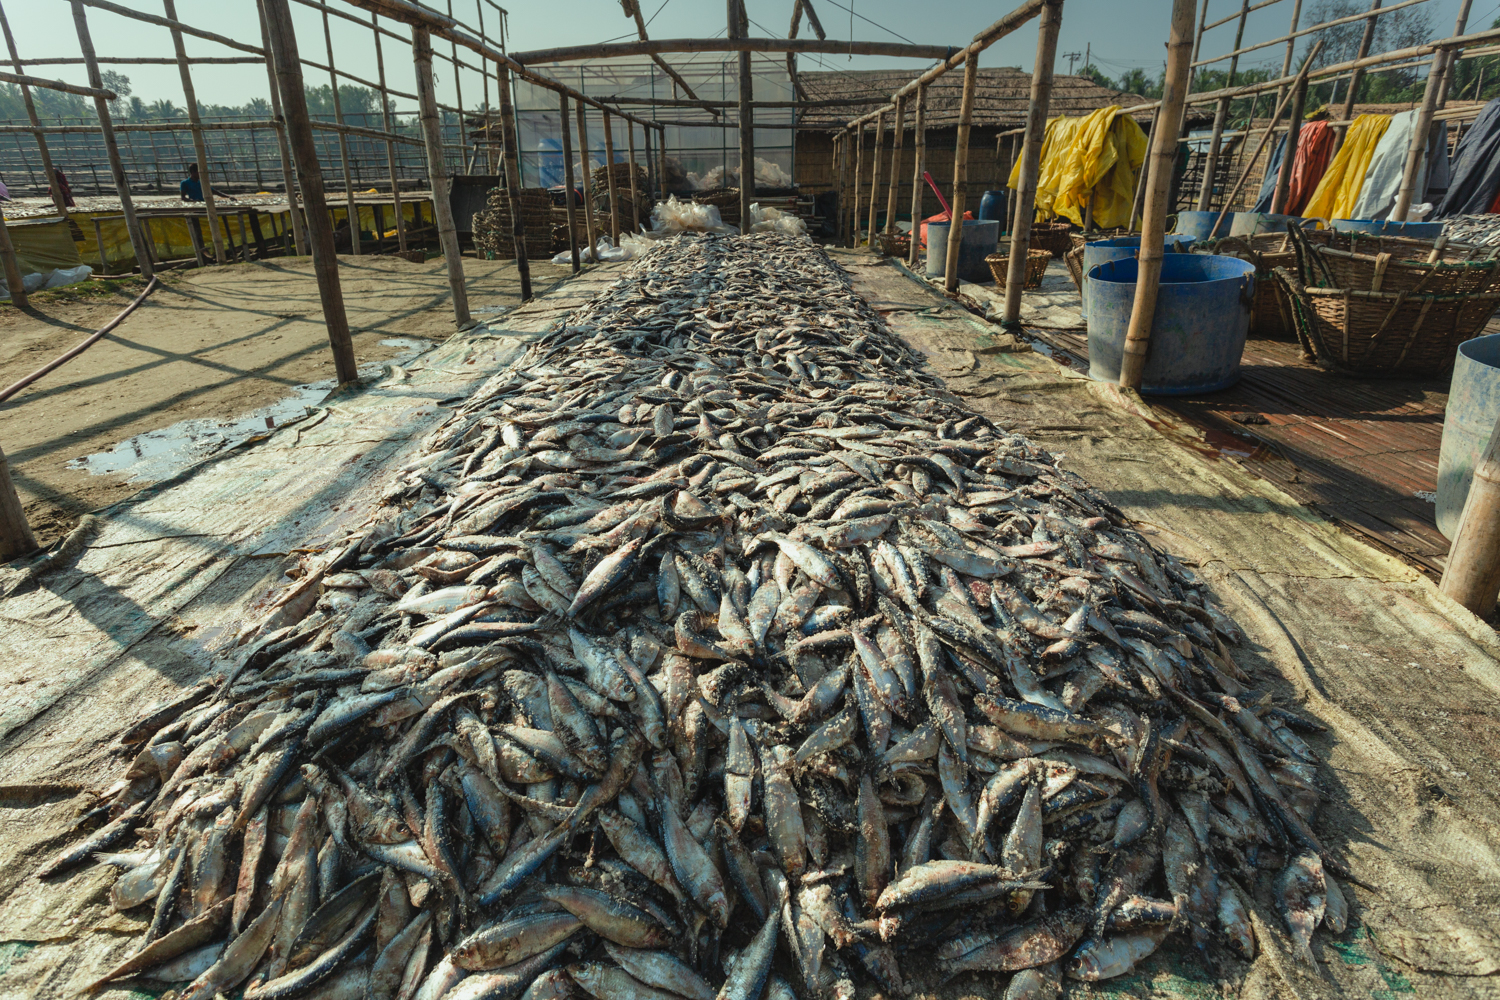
(192, 187)
(63, 186)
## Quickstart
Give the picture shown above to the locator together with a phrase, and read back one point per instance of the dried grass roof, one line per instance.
(1001, 97)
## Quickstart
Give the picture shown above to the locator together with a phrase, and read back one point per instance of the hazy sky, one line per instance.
(1122, 33)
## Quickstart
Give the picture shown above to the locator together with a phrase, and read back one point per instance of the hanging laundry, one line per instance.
(1268, 182)
(1315, 144)
(1339, 187)
(1382, 181)
(1474, 182)
(1098, 155)
(1314, 149)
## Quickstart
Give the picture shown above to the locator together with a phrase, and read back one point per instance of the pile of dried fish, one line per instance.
(710, 650)
(1481, 230)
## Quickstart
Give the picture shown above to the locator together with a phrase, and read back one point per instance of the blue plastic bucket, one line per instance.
(1385, 227)
(1198, 333)
(1473, 405)
(1099, 251)
(979, 241)
(992, 206)
(1197, 225)
(1251, 223)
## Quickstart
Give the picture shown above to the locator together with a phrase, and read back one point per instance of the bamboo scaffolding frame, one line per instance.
(615, 50)
(338, 114)
(300, 241)
(1221, 114)
(1238, 51)
(512, 184)
(919, 165)
(54, 189)
(200, 146)
(442, 211)
(111, 148)
(1031, 160)
(390, 146)
(283, 39)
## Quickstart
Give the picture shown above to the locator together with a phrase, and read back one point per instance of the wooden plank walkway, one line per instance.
(1359, 451)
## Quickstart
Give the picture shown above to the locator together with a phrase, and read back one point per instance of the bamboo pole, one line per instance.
(875, 176)
(1031, 159)
(956, 57)
(635, 204)
(837, 168)
(53, 187)
(591, 228)
(568, 180)
(919, 164)
(512, 181)
(187, 29)
(609, 182)
(898, 131)
(16, 538)
(652, 192)
(484, 80)
(390, 147)
(661, 135)
(1296, 95)
(299, 227)
(1458, 29)
(1321, 26)
(1154, 223)
(633, 10)
(1221, 114)
(1416, 153)
(1138, 203)
(859, 168)
(11, 268)
(652, 46)
(739, 27)
(1366, 39)
(283, 40)
(960, 175)
(338, 113)
(1472, 576)
(437, 172)
(1283, 187)
(1291, 47)
(200, 147)
(111, 148)
(458, 91)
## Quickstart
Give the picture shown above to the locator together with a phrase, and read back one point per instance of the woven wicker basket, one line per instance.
(1052, 237)
(1270, 315)
(1074, 259)
(894, 244)
(1077, 240)
(1390, 334)
(1036, 267)
(1394, 271)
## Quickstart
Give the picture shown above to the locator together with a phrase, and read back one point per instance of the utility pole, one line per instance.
(1072, 57)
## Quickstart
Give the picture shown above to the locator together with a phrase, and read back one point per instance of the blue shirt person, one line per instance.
(192, 188)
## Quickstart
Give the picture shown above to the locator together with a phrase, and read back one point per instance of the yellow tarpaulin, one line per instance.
(43, 245)
(1338, 191)
(1098, 155)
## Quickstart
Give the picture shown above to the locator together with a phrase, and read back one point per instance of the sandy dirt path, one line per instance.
(214, 343)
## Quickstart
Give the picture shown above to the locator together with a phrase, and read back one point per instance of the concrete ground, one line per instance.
(209, 345)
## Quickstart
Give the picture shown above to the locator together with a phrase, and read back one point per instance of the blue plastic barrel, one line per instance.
(1473, 405)
(1099, 251)
(992, 206)
(1197, 225)
(979, 241)
(1198, 333)
(1251, 223)
(1385, 227)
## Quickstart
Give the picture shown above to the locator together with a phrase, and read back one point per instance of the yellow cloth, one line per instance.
(43, 245)
(1338, 191)
(1099, 154)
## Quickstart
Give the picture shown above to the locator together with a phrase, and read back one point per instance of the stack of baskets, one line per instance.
(492, 224)
(1052, 237)
(1036, 266)
(726, 200)
(1399, 312)
(630, 213)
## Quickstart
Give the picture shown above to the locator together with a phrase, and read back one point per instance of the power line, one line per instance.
(853, 15)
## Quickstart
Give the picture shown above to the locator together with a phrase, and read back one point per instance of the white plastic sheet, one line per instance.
(56, 278)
